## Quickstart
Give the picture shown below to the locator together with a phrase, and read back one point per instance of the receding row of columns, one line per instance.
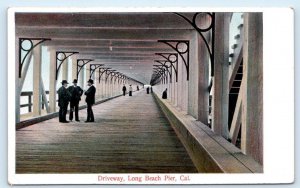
(192, 96)
(107, 86)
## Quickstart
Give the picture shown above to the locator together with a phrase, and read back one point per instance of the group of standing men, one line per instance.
(124, 89)
(73, 95)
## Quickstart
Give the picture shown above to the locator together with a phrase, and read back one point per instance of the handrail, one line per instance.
(29, 104)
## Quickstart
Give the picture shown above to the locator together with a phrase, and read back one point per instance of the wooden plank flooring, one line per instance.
(130, 135)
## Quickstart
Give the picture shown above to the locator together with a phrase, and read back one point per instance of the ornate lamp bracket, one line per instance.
(31, 44)
(201, 31)
(81, 63)
(60, 58)
(93, 68)
(182, 47)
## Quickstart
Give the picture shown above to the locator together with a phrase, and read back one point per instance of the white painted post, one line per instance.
(52, 81)
(220, 99)
(87, 74)
(102, 88)
(185, 88)
(81, 78)
(65, 69)
(37, 72)
(17, 82)
(25, 70)
(74, 67)
(97, 84)
(252, 105)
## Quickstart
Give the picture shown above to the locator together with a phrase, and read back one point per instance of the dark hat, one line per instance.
(64, 82)
(90, 81)
(75, 81)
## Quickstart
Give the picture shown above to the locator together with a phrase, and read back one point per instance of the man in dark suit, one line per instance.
(124, 90)
(165, 94)
(90, 100)
(76, 93)
(64, 96)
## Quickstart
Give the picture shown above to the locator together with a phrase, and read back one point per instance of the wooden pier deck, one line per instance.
(130, 135)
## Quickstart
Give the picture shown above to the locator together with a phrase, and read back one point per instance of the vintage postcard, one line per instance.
(150, 96)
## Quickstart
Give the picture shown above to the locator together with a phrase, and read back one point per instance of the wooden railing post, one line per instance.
(29, 103)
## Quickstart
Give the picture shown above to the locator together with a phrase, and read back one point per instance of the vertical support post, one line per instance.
(29, 103)
(97, 85)
(65, 68)
(37, 74)
(43, 102)
(44, 97)
(174, 89)
(81, 79)
(25, 70)
(185, 89)
(102, 88)
(252, 107)
(220, 98)
(104, 84)
(17, 80)
(203, 58)
(110, 85)
(74, 67)
(52, 81)
(87, 74)
(198, 82)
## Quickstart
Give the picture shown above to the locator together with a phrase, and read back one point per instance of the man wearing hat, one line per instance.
(76, 93)
(124, 90)
(90, 100)
(64, 96)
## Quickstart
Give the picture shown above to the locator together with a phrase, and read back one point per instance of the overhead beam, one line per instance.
(134, 20)
(104, 43)
(104, 34)
(120, 58)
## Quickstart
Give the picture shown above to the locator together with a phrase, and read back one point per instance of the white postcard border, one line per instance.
(278, 103)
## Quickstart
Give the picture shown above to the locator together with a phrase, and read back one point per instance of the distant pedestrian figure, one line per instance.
(137, 88)
(147, 90)
(165, 94)
(90, 101)
(130, 90)
(124, 90)
(76, 93)
(64, 96)
(151, 90)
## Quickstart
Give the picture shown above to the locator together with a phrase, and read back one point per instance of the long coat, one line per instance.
(64, 96)
(76, 93)
(90, 95)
